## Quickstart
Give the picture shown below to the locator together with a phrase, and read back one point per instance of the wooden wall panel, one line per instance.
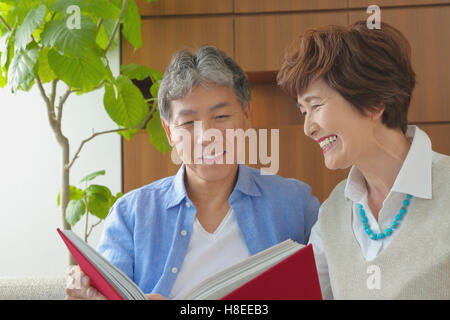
(287, 5)
(427, 30)
(439, 134)
(271, 107)
(385, 3)
(184, 7)
(162, 37)
(257, 41)
(260, 40)
(143, 163)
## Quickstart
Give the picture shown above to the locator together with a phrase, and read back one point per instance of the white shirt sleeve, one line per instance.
(321, 262)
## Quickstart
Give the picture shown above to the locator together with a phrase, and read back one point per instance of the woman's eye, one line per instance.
(316, 106)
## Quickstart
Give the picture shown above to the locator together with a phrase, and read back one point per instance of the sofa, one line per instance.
(33, 288)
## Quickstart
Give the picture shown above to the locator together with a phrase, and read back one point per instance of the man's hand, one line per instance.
(78, 286)
(155, 296)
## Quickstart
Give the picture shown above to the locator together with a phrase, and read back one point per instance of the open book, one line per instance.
(284, 271)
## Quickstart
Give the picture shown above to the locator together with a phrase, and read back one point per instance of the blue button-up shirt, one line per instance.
(143, 232)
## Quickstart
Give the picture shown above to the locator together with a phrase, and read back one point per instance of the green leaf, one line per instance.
(7, 48)
(74, 194)
(128, 108)
(3, 79)
(83, 72)
(138, 72)
(114, 198)
(93, 175)
(155, 88)
(24, 68)
(132, 23)
(128, 134)
(98, 8)
(70, 41)
(118, 195)
(157, 134)
(45, 73)
(32, 21)
(75, 209)
(99, 198)
(102, 37)
(18, 10)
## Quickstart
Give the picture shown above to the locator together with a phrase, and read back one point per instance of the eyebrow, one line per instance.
(307, 99)
(184, 112)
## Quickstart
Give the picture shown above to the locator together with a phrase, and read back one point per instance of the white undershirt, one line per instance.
(209, 253)
(414, 178)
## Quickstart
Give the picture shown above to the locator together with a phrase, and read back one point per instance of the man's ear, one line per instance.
(167, 130)
(248, 115)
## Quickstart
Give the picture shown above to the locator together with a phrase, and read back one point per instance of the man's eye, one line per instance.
(224, 116)
(187, 123)
(317, 105)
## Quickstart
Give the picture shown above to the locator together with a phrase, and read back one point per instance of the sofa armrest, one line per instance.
(33, 288)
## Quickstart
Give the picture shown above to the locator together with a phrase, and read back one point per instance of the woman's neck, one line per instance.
(381, 164)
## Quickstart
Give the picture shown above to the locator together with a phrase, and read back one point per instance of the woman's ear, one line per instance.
(377, 113)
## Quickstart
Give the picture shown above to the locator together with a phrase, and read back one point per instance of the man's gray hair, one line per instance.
(207, 66)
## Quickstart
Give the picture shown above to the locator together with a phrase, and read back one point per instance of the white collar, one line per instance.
(414, 176)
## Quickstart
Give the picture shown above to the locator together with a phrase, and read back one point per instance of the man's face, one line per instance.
(212, 109)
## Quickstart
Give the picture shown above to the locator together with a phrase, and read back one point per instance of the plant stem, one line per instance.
(92, 227)
(5, 24)
(140, 126)
(116, 26)
(87, 220)
(63, 142)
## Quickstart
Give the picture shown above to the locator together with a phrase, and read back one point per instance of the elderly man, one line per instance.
(173, 233)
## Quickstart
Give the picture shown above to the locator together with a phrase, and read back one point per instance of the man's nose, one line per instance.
(202, 127)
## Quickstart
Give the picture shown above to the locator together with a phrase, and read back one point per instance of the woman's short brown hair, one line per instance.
(370, 68)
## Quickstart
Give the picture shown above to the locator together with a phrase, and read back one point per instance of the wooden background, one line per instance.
(255, 33)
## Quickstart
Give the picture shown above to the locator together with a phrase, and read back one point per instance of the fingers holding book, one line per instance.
(78, 286)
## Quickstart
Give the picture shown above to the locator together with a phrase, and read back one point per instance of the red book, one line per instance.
(285, 271)
(106, 278)
(294, 278)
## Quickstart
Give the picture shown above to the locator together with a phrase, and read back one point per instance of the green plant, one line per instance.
(64, 43)
(94, 199)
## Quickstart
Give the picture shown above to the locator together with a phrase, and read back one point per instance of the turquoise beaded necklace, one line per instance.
(377, 236)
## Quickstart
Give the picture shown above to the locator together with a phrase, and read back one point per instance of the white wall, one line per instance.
(30, 175)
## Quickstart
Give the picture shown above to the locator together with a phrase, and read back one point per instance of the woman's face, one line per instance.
(212, 109)
(341, 131)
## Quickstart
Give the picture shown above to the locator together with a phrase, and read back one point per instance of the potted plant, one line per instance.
(63, 44)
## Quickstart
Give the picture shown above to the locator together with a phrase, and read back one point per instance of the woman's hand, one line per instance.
(78, 286)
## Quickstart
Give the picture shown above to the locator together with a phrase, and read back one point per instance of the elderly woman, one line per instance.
(171, 234)
(383, 233)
